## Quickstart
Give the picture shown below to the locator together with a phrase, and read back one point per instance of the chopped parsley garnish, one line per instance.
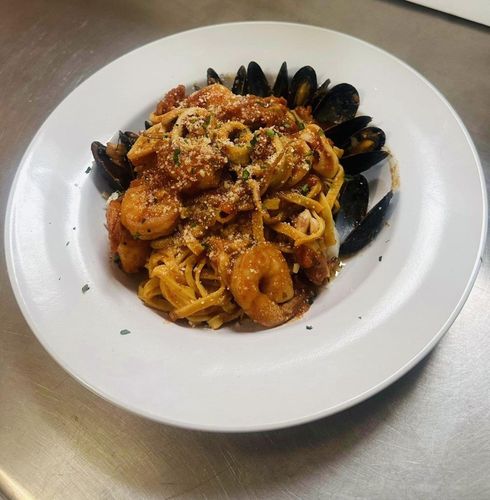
(270, 132)
(88, 170)
(124, 331)
(301, 125)
(304, 189)
(136, 236)
(116, 259)
(245, 174)
(85, 288)
(176, 156)
(253, 142)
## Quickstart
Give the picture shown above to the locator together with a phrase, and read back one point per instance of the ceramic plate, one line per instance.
(373, 323)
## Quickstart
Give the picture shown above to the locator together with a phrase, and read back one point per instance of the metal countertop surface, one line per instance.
(426, 436)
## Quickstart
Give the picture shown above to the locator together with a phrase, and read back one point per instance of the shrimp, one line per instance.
(261, 284)
(132, 253)
(149, 213)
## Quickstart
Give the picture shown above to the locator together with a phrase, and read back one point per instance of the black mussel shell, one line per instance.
(117, 176)
(281, 85)
(320, 93)
(303, 86)
(240, 83)
(341, 133)
(368, 229)
(257, 82)
(355, 164)
(339, 105)
(353, 199)
(213, 77)
(365, 140)
(127, 139)
(148, 124)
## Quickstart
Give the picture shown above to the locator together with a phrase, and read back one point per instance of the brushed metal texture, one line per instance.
(426, 436)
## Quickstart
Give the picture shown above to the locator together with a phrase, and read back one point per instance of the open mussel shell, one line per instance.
(240, 83)
(213, 77)
(303, 87)
(355, 164)
(148, 124)
(342, 132)
(320, 93)
(338, 105)
(118, 176)
(281, 85)
(353, 199)
(365, 140)
(257, 82)
(368, 229)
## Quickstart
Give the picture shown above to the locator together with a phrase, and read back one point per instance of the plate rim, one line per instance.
(9, 257)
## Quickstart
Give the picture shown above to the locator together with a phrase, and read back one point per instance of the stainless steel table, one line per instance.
(427, 436)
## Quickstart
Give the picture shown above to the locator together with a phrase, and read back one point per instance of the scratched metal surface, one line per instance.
(427, 436)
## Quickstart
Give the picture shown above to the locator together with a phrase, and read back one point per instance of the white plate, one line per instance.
(376, 320)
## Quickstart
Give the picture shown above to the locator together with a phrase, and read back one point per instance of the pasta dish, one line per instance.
(230, 209)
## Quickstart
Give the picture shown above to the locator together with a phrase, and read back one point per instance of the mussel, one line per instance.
(257, 81)
(116, 169)
(213, 77)
(240, 82)
(281, 85)
(338, 105)
(303, 87)
(367, 229)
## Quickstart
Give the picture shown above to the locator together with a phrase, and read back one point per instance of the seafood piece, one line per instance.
(365, 140)
(262, 286)
(341, 133)
(149, 213)
(324, 161)
(170, 100)
(236, 139)
(257, 82)
(240, 82)
(213, 77)
(338, 105)
(281, 85)
(368, 229)
(355, 164)
(353, 199)
(320, 93)
(317, 268)
(127, 139)
(132, 253)
(303, 86)
(117, 173)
